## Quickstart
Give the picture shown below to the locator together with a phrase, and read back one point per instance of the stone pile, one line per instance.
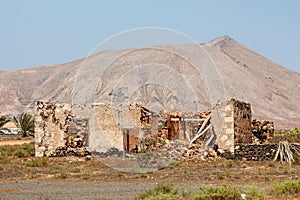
(74, 141)
(162, 157)
(173, 150)
(196, 153)
(160, 146)
(70, 151)
(262, 131)
(74, 146)
(112, 152)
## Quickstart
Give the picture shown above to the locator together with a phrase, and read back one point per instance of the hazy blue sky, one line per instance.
(39, 32)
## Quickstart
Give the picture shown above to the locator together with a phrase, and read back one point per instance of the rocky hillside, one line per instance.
(173, 77)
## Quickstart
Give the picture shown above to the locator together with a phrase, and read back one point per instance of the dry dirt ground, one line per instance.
(15, 142)
(72, 178)
(76, 178)
(71, 189)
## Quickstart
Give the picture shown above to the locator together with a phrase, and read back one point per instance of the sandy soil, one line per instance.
(14, 142)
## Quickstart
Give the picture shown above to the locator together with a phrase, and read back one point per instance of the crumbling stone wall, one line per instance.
(80, 127)
(254, 152)
(107, 122)
(97, 126)
(231, 121)
(242, 121)
(262, 130)
(102, 126)
(237, 123)
(51, 126)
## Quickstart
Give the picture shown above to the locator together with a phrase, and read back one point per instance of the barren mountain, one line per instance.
(172, 77)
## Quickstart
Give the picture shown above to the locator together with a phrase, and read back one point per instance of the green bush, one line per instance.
(37, 162)
(288, 187)
(161, 191)
(224, 192)
(293, 132)
(253, 192)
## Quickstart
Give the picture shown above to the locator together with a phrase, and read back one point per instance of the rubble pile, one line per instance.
(70, 151)
(112, 152)
(165, 146)
(193, 148)
(203, 144)
(173, 150)
(262, 131)
(155, 136)
(196, 153)
(162, 157)
(74, 146)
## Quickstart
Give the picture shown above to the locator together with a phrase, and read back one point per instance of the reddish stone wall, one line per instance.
(242, 122)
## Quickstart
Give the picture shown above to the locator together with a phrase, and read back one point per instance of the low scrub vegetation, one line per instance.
(288, 187)
(293, 132)
(292, 136)
(19, 162)
(225, 192)
(37, 162)
(162, 191)
(20, 151)
(253, 192)
(220, 192)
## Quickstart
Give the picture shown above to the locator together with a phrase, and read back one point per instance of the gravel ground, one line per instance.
(49, 190)
(71, 190)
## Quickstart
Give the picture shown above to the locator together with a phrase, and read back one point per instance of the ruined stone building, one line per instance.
(101, 126)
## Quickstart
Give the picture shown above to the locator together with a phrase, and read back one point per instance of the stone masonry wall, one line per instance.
(98, 126)
(225, 120)
(106, 123)
(254, 152)
(242, 122)
(235, 118)
(263, 131)
(103, 124)
(51, 126)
